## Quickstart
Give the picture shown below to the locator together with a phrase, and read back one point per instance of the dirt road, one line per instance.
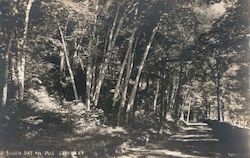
(195, 141)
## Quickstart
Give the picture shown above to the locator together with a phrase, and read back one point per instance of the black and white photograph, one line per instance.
(124, 78)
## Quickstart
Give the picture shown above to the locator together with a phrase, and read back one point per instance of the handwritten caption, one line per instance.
(41, 153)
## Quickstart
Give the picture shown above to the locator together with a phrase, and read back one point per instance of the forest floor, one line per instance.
(193, 141)
(47, 128)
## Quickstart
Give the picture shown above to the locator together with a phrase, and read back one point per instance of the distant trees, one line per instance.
(224, 46)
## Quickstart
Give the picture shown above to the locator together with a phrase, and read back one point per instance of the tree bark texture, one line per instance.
(112, 39)
(6, 73)
(104, 65)
(22, 52)
(136, 82)
(72, 78)
(156, 95)
(130, 46)
(129, 68)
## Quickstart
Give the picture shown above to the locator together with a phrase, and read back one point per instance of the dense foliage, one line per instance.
(169, 60)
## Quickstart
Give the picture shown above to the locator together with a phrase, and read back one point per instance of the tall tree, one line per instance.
(113, 34)
(129, 49)
(136, 82)
(22, 51)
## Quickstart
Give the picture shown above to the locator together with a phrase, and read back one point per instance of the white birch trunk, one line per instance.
(72, 78)
(89, 76)
(6, 74)
(117, 88)
(112, 39)
(130, 65)
(156, 95)
(189, 109)
(22, 57)
(134, 90)
(104, 66)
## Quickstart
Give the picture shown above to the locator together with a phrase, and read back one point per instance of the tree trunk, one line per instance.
(22, 54)
(206, 104)
(117, 87)
(130, 65)
(62, 68)
(62, 63)
(163, 90)
(134, 90)
(189, 109)
(6, 73)
(94, 63)
(161, 120)
(104, 66)
(170, 94)
(88, 82)
(89, 75)
(165, 81)
(90, 72)
(182, 115)
(13, 76)
(178, 96)
(156, 95)
(219, 111)
(209, 110)
(187, 97)
(72, 78)
(163, 101)
(83, 71)
(112, 39)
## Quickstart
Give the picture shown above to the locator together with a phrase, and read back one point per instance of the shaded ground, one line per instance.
(195, 141)
(233, 141)
(56, 139)
(44, 125)
(55, 130)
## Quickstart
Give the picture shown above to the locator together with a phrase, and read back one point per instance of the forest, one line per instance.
(124, 78)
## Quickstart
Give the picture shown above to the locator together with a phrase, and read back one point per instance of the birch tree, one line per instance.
(22, 51)
(14, 10)
(113, 34)
(72, 78)
(6, 72)
(130, 46)
(136, 82)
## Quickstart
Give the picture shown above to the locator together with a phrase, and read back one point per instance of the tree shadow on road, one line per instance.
(189, 142)
(233, 141)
